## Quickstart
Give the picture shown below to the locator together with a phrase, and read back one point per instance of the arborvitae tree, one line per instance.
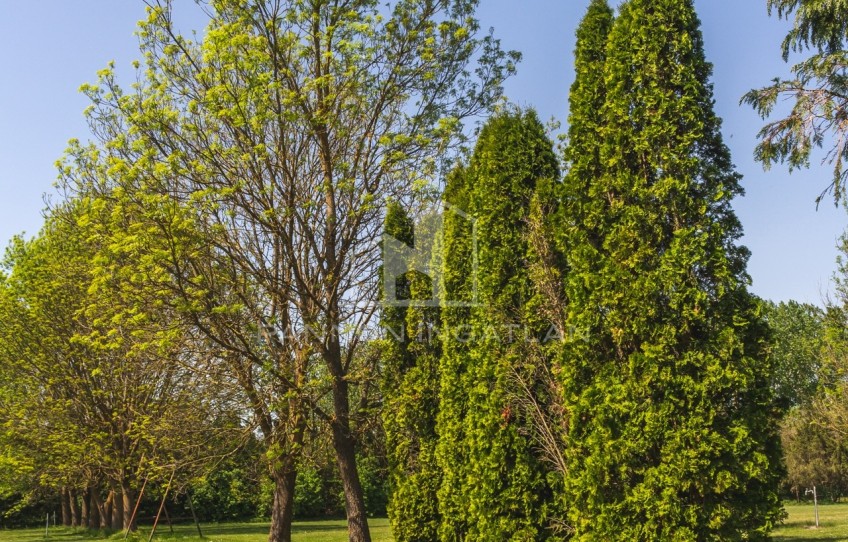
(411, 388)
(672, 429)
(399, 226)
(457, 291)
(537, 390)
(495, 486)
(587, 98)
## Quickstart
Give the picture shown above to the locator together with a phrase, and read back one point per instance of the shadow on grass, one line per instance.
(249, 531)
(212, 529)
(55, 534)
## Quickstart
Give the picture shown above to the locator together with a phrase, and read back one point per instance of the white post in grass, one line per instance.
(47, 527)
(815, 503)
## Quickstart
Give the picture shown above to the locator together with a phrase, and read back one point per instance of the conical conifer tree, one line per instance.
(458, 294)
(672, 430)
(411, 387)
(501, 491)
(587, 98)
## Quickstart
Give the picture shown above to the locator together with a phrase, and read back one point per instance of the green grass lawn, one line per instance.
(833, 521)
(798, 527)
(303, 531)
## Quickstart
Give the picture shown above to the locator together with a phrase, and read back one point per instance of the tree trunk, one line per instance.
(85, 511)
(93, 509)
(76, 518)
(129, 503)
(118, 512)
(98, 511)
(67, 516)
(357, 519)
(106, 511)
(345, 447)
(282, 511)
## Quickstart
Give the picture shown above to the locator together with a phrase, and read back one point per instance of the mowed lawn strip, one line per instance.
(303, 531)
(833, 519)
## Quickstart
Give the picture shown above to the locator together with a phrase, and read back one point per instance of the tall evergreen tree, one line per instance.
(411, 388)
(537, 391)
(503, 488)
(457, 290)
(672, 428)
(587, 98)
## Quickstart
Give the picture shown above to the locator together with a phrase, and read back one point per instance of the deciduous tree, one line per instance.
(797, 350)
(273, 143)
(100, 380)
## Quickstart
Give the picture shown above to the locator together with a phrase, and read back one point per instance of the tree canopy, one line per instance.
(817, 91)
(257, 162)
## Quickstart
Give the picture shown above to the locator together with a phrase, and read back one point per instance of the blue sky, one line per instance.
(50, 47)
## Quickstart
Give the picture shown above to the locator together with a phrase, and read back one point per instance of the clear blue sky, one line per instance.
(49, 48)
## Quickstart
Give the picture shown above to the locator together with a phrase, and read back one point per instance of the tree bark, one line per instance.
(129, 503)
(67, 516)
(194, 515)
(345, 448)
(118, 512)
(84, 509)
(282, 511)
(94, 505)
(357, 518)
(76, 518)
(98, 511)
(106, 511)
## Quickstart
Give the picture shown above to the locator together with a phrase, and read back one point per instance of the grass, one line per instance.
(303, 531)
(833, 523)
(799, 527)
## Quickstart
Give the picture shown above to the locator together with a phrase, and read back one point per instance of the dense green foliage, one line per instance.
(586, 102)
(502, 490)
(798, 338)
(254, 164)
(815, 450)
(411, 390)
(458, 288)
(672, 430)
(812, 353)
(94, 399)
